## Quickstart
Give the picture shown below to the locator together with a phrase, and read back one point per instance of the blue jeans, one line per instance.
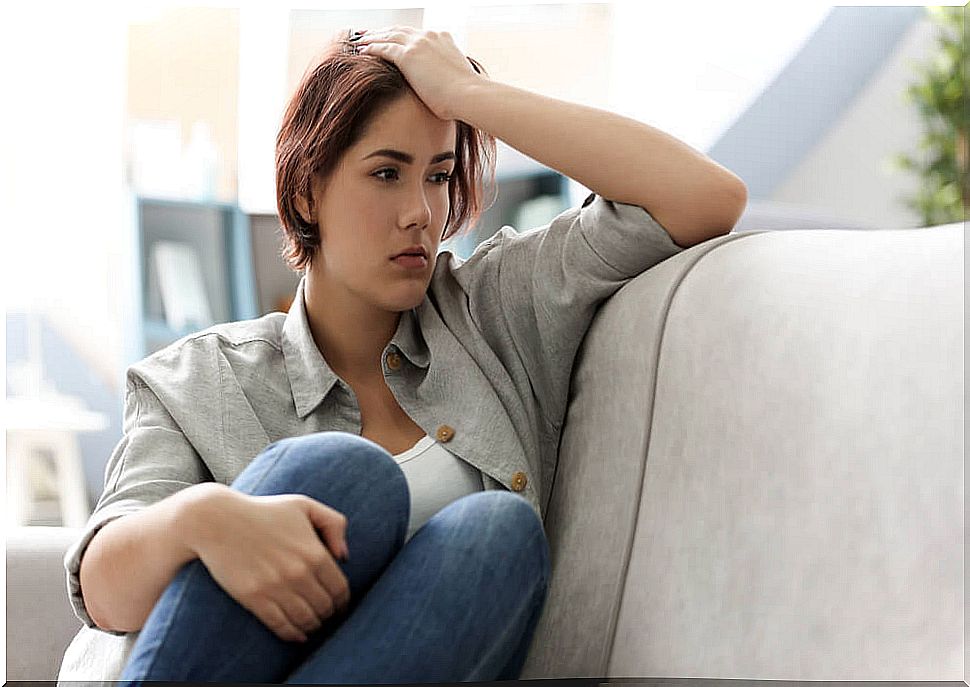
(458, 602)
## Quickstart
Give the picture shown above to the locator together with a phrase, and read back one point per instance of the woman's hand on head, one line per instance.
(433, 65)
(266, 553)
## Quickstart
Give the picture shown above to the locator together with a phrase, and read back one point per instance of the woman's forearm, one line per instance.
(131, 560)
(619, 158)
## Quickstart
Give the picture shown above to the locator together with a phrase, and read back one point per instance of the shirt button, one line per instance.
(393, 360)
(519, 480)
(445, 433)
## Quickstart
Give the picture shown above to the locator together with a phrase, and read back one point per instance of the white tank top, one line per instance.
(435, 478)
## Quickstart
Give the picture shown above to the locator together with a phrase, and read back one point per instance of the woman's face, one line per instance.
(376, 205)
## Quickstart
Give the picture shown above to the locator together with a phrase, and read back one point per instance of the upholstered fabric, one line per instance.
(761, 471)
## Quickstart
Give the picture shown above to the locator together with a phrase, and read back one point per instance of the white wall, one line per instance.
(847, 174)
(692, 69)
(62, 182)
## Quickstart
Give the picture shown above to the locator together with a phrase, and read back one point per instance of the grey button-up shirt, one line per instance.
(488, 352)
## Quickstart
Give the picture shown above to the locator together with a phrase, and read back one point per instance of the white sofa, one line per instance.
(761, 473)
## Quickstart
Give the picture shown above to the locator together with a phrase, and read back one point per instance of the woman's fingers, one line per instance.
(272, 615)
(312, 601)
(336, 587)
(384, 49)
(388, 34)
(301, 614)
(393, 29)
(316, 591)
(386, 39)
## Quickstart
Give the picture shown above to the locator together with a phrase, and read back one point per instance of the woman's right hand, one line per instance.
(266, 553)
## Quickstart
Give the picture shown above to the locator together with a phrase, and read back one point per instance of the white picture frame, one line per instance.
(177, 273)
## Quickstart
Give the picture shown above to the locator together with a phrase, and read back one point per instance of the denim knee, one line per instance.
(504, 520)
(308, 463)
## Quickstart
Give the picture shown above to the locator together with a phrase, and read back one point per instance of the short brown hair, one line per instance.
(329, 112)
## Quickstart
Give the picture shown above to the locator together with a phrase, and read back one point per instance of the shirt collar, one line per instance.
(311, 378)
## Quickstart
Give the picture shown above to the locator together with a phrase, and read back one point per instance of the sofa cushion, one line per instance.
(40, 621)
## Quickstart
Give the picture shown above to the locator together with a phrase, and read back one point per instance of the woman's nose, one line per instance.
(418, 211)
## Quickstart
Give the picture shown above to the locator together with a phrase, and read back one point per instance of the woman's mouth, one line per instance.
(411, 262)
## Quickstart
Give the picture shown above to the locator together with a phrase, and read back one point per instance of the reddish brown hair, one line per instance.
(329, 112)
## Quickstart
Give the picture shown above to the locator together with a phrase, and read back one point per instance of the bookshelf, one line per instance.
(219, 236)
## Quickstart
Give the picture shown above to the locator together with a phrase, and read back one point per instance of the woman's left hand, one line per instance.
(431, 62)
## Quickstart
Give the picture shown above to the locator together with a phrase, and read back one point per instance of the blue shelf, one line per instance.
(159, 331)
(219, 233)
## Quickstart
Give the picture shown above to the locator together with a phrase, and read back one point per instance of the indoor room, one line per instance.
(740, 431)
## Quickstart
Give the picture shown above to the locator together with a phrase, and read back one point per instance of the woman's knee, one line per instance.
(502, 520)
(301, 464)
(337, 446)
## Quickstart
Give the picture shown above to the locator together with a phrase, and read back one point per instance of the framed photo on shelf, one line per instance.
(176, 284)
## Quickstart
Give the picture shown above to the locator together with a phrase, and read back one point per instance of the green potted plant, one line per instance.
(940, 94)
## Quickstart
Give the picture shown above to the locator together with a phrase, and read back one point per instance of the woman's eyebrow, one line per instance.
(407, 158)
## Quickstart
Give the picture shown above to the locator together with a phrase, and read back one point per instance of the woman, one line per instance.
(354, 491)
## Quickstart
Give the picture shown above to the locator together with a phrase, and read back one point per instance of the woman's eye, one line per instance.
(442, 177)
(382, 171)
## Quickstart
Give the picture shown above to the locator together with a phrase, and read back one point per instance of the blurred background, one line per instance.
(138, 182)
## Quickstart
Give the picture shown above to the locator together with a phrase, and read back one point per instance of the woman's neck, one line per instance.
(351, 336)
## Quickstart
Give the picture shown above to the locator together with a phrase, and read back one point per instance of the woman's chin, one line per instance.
(407, 301)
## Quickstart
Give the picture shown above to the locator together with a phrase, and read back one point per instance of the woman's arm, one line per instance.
(132, 559)
(619, 158)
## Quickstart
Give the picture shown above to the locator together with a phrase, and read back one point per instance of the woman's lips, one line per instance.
(412, 262)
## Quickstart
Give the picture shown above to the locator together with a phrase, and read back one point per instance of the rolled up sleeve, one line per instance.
(534, 294)
(152, 460)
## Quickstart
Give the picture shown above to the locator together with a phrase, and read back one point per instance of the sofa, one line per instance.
(760, 475)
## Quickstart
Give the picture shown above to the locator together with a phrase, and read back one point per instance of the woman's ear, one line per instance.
(303, 208)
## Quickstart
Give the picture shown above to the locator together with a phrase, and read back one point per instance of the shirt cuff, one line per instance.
(625, 236)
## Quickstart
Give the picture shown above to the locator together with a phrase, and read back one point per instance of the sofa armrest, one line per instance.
(40, 621)
(761, 469)
(602, 455)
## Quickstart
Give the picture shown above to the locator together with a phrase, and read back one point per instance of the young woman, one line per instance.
(354, 491)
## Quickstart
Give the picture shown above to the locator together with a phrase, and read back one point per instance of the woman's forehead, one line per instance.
(408, 123)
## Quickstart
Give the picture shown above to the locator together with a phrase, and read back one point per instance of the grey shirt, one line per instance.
(483, 364)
